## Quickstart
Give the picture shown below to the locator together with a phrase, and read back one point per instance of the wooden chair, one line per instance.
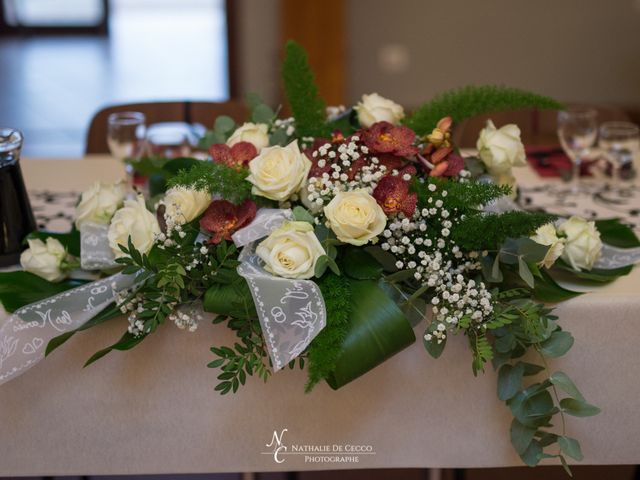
(155, 112)
(538, 127)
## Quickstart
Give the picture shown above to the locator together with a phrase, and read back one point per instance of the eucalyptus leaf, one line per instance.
(570, 447)
(521, 436)
(301, 214)
(525, 273)
(224, 124)
(532, 455)
(557, 344)
(578, 408)
(562, 381)
(509, 380)
(321, 265)
(262, 114)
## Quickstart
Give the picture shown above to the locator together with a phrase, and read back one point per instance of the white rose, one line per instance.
(44, 259)
(291, 251)
(135, 221)
(500, 149)
(582, 245)
(546, 235)
(277, 172)
(254, 133)
(99, 203)
(355, 217)
(183, 204)
(374, 108)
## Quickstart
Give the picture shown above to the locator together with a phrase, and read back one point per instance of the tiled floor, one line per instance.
(157, 50)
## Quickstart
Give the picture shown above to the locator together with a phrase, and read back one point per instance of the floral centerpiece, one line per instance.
(326, 240)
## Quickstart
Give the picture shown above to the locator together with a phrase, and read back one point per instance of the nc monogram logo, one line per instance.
(276, 444)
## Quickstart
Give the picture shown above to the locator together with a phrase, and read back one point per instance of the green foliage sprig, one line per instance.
(520, 325)
(215, 178)
(466, 197)
(326, 347)
(474, 100)
(302, 94)
(485, 232)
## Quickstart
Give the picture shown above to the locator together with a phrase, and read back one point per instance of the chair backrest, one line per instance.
(538, 127)
(155, 112)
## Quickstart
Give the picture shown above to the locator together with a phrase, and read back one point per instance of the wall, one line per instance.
(575, 50)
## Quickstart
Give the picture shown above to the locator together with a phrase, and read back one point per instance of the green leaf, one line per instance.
(111, 311)
(496, 274)
(377, 331)
(615, 233)
(229, 299)
(126, 342)
(531, 369)
(532, 455)
(565, 465)
(578, 408)
(474, 100)
(361, 265)
(20, 288)
(333, 266)
(525, 273)
(302, 94)
(557, 344)
(262, 114)
(224, 125)
(562, 381)
(509, 380)
(521, 436)
(301, 214)
(70, 240)
(571, 447)
(433, 347)
(547, 290)
(321, 265)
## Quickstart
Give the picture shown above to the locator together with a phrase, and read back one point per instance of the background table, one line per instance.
(154, 410)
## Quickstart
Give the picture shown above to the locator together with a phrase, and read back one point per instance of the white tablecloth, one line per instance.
(154, 410)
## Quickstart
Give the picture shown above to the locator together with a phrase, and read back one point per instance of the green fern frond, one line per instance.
(215, 178)
(465, 197)
(496, 228)
(302, 94)
(325, 349)
(475, 100)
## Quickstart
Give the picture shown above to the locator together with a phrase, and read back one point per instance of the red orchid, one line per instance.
(235, 157)
(383, 137)
(392, 194)
(223, 218)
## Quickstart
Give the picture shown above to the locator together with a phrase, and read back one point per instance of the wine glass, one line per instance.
(620, 142)
(125, 138)
(577, 132)
(125, 134)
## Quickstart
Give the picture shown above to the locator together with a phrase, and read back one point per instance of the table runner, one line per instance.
(153, 409)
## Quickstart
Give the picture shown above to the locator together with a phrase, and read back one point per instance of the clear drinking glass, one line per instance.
(125, 134)
(168, 144)
(16, 216)
(620, 142)
(577, 132)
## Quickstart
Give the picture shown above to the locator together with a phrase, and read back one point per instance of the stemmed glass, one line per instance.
(577, 131)
(620, 142)
(125, 137)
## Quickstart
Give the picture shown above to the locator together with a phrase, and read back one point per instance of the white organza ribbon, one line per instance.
(95, 252)
(614, 257)
(25, 334)
(266, 221)
(291, 312)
